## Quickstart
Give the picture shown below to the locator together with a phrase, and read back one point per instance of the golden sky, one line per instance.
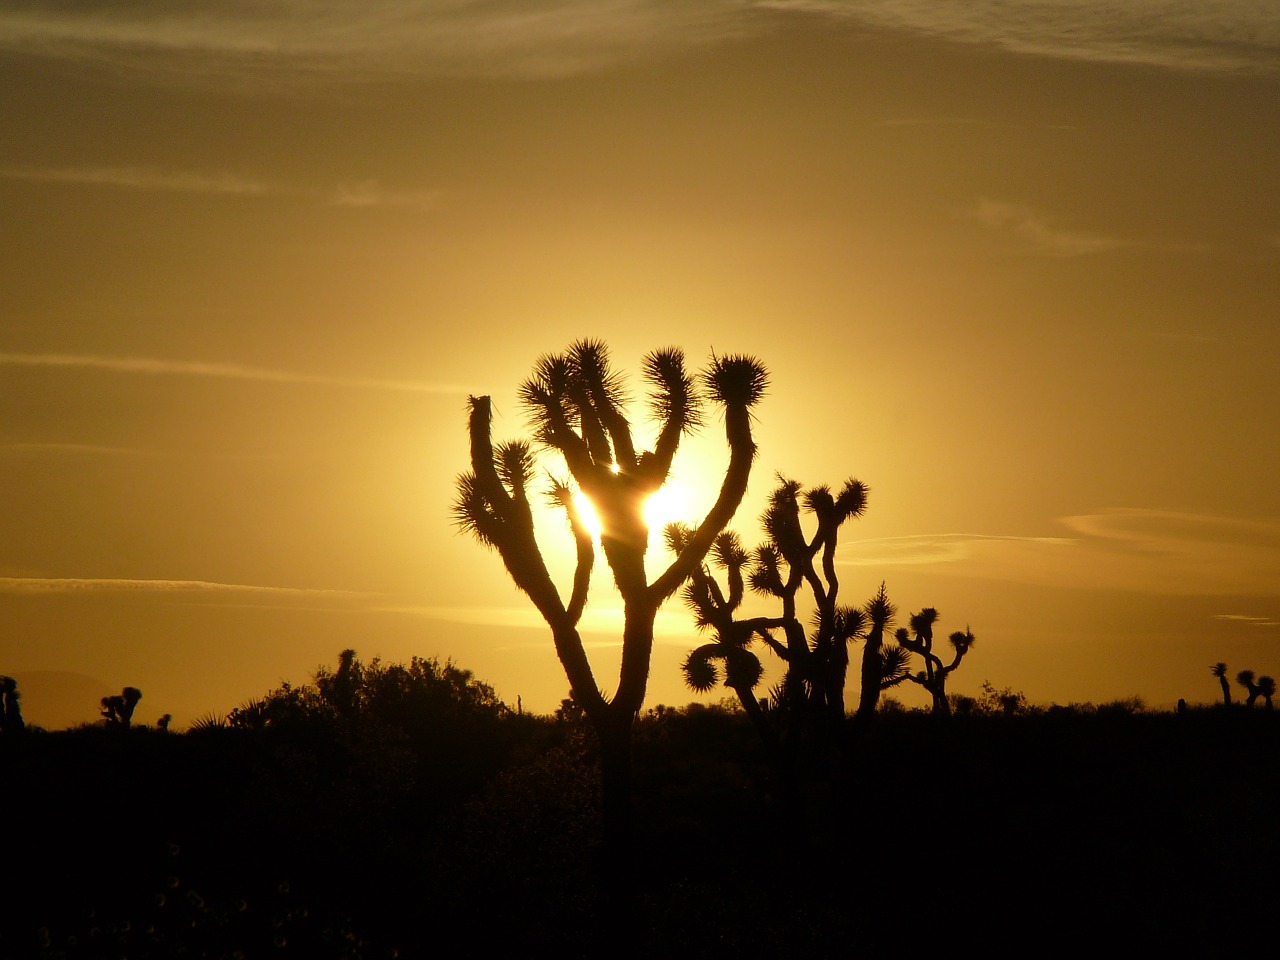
(1016, 266)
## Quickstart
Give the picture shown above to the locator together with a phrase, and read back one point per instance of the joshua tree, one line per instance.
(118, 710)
(1247, 680)
(578, 411)
(1219, 670)
(934, 675)
(11, 712)
(880, 612)
(1267, 689)
(810, 699)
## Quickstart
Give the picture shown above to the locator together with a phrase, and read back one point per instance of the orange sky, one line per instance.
(1015, 266)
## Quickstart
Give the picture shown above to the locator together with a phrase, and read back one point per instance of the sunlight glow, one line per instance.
(672, 502)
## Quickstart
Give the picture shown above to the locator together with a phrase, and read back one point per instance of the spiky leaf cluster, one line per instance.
(736, 380)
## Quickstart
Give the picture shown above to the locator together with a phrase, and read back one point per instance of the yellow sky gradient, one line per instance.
(1014, 266)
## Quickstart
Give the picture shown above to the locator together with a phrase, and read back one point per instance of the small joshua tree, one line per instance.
(1219, 670)
(1267, 689)
(578, 411)
(1247, 680)
(934, 675)
(118, 710)
(10, 707)
(810, 698)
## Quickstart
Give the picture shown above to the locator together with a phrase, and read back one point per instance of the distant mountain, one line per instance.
(55, 699)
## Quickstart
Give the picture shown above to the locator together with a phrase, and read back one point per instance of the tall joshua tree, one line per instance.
(919, 640)
(118, 710)
(578, 410)
(880, 612)
(1219, 670)
(10, 707)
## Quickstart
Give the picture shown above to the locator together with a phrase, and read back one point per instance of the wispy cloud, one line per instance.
(151, 366)
(92, 449)
(1037, 233)
(142, 178)
(122, 585)
(370, 193)
(358, 39)
(1225, 36)
(1248, 620)
(1126, 549)
(929, 548)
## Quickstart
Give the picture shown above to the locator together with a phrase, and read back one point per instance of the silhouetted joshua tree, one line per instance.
(875, 664)
(934, 675)
(1267, 689)
(11, 715)
(577, 407)
(118, 710)
(1219, 670)
(810, 699)
(1247, 680)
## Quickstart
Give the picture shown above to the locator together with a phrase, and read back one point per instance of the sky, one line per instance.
(1014, 265)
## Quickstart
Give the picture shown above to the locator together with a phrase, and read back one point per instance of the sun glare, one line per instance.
(670, 503)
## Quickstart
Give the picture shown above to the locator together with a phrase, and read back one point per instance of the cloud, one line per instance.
(1248, 620)
(1172, 552)
(370, 193)
(354, 40)
(1228, 36)
(228, 371)
(142, 178)
(928, 548)
(1037, 233)
(39, 585)
(1147, 551)
(75, 448)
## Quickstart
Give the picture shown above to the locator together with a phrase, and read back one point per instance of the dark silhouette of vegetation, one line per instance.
(382, 809)
(10, 708)
(117, 710)
(1219, 670)
(919, 640)
(1267, 689)
(578, 411)
(806, 711)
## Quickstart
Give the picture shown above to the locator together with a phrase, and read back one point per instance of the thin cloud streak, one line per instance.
(1143, 551)
(1248, 620)
(346, 40)
(1037, 233)
(40, 585)
(1230, 36)
(142, 178)
(151, 366)
(928, 548)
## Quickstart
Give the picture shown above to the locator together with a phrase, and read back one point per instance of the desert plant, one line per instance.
(117, 710)
(1267, 689)
(578, 412)
(10, 708)
(1247, 679)
(1219, 670)
(808, 707)
(919, 640)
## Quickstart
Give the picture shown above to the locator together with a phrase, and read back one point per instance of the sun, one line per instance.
(673, 502)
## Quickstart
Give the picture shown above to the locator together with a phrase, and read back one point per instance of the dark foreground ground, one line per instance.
(1052, 833)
